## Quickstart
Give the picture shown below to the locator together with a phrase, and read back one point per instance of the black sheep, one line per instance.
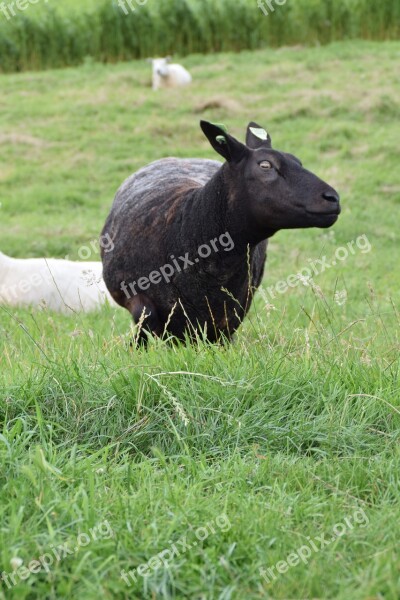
(190, 235)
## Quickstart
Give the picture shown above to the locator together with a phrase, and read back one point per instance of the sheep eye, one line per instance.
(265, 164)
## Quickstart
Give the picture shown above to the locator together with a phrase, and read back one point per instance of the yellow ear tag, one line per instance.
(221, 126)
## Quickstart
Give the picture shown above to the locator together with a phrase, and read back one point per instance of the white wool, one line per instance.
(167, 75)
(60, 285)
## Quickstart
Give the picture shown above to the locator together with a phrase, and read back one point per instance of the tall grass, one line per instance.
(48, 38)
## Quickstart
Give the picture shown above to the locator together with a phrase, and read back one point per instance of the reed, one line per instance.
(50, 38)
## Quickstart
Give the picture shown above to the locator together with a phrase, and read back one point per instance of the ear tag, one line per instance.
(261, 134)
(221, 139)
(221, 126)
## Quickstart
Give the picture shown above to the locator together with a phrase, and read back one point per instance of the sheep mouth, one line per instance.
(331, 213)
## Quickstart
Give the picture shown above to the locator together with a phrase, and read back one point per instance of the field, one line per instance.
(238, 456)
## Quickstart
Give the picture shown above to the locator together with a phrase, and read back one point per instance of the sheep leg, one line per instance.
(143, 311)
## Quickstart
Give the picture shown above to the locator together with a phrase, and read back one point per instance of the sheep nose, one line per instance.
(331, 196)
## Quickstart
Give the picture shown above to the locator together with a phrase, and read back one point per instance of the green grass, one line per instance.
(289, 430)
(45, 35)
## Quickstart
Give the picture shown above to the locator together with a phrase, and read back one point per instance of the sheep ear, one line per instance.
(257, 137)
(168, 59)
(223, 143)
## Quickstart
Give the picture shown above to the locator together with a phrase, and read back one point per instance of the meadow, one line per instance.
(247, 452)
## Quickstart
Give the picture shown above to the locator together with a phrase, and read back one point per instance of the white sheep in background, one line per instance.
(166, 75)
(60, 285)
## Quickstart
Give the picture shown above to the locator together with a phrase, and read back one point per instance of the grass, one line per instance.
(286, 432)
(46, 36)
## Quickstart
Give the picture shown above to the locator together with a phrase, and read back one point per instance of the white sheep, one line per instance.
(60, 285)
(166, 75)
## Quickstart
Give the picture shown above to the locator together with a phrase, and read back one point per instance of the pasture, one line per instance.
(265, 444)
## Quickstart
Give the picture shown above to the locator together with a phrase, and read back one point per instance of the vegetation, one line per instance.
(289, 430)
(46, 37)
